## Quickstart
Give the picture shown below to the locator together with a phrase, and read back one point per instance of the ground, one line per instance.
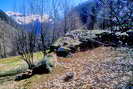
(99, 68)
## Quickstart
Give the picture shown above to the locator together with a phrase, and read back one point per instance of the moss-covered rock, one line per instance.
(46, 65)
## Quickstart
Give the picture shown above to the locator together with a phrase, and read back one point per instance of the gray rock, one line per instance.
(63, 51)
(46, 65)
(24, 75)
(69, 76)
(73, 40)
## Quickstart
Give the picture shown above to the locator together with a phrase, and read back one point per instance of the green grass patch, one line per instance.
(9, 67)
(14, 65)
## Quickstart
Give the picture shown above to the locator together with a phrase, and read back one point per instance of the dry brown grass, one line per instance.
(75, 64)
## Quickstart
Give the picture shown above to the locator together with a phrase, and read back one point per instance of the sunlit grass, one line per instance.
(15, 65)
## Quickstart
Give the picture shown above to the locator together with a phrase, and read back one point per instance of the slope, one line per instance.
(7, 36)
(103, 67)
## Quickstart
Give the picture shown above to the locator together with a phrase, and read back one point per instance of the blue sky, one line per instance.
(9, 5)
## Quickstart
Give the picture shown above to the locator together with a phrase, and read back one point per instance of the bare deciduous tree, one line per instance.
(120, 13)
(26, 40)
(26, 46)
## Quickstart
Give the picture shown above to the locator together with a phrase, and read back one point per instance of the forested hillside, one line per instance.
(7, 37)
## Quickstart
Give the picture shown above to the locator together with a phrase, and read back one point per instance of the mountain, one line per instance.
(102, 15)
(4, 16)
(27, 19)
(7, 36)
(33, 22)
(85, 14)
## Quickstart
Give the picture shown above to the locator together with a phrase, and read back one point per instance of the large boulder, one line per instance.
(46, 65)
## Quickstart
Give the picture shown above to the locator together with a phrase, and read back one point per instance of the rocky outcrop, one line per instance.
(81, 39)
(76, 40)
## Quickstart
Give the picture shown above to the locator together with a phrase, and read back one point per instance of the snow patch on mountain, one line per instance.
(27, 19)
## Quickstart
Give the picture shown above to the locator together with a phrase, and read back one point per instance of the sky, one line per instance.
(9, 5)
